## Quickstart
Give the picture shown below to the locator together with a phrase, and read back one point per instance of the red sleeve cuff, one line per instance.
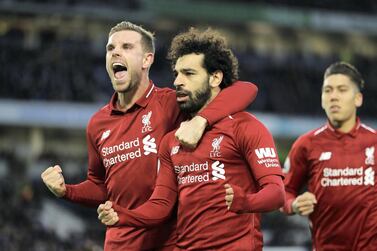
(239, 203)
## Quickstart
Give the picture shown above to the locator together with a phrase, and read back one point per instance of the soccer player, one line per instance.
(123, 137)
(337, 163)
(232, 176)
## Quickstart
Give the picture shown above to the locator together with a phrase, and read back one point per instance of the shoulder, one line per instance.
(163, 91)
(100, 114)
(245, 117)
(367, 129)
(247, 121)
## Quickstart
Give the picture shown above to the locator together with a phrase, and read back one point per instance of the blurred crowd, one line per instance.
(30, 217)
(62, 69)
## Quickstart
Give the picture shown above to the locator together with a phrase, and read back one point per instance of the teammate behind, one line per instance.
(337, 163)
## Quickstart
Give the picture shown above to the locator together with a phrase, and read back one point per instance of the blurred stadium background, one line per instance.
(53, 78)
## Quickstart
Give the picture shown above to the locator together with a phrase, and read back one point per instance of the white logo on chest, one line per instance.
(105, 135)
(149, 145)
(174, 150)
(325, 156)
(146, 120)
(218, 171)
(369, 153)
(216, 147)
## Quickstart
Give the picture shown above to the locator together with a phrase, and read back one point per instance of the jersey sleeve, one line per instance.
(162, 201)
(92, 191)
(296, 173)
(234, 98)
(258, 148)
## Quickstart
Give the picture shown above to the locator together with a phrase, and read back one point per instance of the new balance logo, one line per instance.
(149, 145)
(105, 135)
(325, 156)
(218, 171)
(267, 152)
(174, 150)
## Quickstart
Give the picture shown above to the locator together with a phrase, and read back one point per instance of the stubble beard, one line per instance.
(196, 100)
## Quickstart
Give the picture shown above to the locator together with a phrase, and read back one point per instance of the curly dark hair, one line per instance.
(217, 54)
(348, 70)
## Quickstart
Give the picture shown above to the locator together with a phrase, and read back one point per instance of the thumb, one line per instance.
(58, 168)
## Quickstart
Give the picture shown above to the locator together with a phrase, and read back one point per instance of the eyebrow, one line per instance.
(186, 70)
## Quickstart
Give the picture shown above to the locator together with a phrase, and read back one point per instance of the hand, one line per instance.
(54, 180)
(304, 204)
(190, 132)
(106, 214)
(229, 195)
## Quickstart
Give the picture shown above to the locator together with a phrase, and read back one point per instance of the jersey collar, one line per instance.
(141, 102)
(352, 133)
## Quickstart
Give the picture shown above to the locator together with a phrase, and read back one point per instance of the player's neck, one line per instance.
(345, 126)
(127, 99)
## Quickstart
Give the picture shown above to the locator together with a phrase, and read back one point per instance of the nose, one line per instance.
(178, 81)
(115, 52)
(334, 95)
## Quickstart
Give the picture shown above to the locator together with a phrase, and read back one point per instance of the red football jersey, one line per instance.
(122, 149)
(239, 151)
(339, 168)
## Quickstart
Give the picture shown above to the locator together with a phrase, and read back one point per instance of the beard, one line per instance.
(196, 100)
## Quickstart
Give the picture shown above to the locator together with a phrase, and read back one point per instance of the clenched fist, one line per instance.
(304, 204)
(54, 180)
(190, 132)
(106, 214)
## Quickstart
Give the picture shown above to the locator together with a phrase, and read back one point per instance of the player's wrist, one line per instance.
(201, 121)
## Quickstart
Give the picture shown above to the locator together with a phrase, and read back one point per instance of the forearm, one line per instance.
(153, 212)
(232, 99)
(87, 193)
(269, 198)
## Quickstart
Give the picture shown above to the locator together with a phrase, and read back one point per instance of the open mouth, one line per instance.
(120, 70)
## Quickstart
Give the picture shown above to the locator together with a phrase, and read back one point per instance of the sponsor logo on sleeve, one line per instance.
(266, 152)
(267, 157)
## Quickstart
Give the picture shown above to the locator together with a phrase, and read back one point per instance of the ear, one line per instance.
(148, 59)
(358, 99)
(216, 78)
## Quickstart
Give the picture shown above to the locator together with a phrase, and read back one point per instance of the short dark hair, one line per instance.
(348, 70)
(217, 54)
(147, 37)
